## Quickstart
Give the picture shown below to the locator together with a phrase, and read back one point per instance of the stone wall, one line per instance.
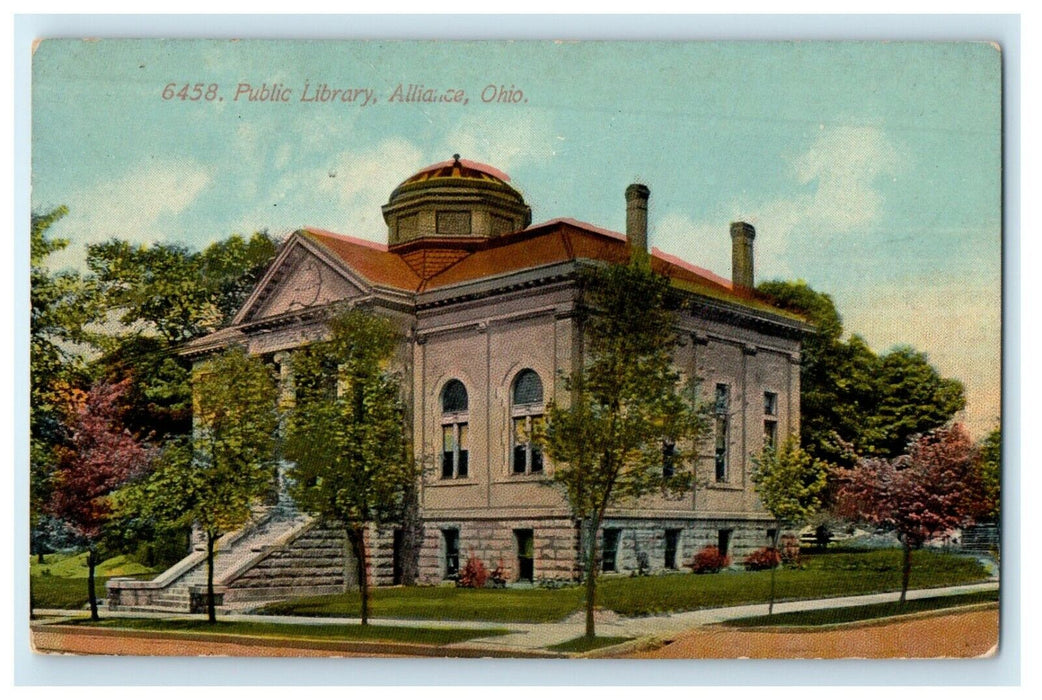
(556, 543)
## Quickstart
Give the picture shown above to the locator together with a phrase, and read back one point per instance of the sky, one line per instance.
(871, 170)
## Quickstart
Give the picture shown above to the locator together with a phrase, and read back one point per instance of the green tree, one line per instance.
(791, 485)
(173, 291)
(852, 401)
(347, 436)
(163, 295)
(58, 313)
(630, 427)
(989, 469)
(914, 399)
(216, 479)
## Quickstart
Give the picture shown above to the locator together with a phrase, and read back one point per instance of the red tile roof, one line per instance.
(551, 242)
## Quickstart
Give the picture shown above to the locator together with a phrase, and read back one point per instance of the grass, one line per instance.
(75, 566)
(442, 603)
(857, 613)
(413, 635)
(61, 580)
(63, 593)
(822, 575)
(583, 644)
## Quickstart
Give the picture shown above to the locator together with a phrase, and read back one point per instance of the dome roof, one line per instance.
(459, 168)
(456, 199)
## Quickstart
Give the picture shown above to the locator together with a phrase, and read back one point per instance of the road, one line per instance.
(954, 635)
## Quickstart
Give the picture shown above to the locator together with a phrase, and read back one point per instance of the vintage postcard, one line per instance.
(516, 349)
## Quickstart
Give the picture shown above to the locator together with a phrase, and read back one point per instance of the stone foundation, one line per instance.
(556, 544)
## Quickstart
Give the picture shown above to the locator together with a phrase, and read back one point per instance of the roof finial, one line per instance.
(455, 158)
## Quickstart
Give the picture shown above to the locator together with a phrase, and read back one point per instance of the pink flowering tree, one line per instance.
(98, 457)
(920, 495)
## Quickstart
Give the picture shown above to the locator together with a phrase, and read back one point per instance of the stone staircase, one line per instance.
(182, 587)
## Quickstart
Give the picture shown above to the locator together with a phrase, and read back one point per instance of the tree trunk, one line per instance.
(358, 540)
(92, 561)
(349, 548)
(774, 549)
(591, 575)
(906, 570)
(211, 609)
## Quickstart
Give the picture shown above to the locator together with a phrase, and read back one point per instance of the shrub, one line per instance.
(709, 561)
(790, 551)
(473, 575)
(762, 559)
(498, 577)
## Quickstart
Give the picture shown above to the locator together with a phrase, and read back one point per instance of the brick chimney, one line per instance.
(637, 216)
(742, 235)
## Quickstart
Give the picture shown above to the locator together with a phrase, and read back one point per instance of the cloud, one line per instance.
(140, 206)
(506, 143)
(844, 165)
(833, 190)
(360, 181)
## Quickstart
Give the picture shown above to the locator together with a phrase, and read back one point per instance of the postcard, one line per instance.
(523, 349)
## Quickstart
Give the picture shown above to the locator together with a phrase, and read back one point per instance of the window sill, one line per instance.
(458, 481)
(516, 478)
(725, 486)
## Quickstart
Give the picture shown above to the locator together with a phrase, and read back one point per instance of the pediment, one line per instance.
(300, 279)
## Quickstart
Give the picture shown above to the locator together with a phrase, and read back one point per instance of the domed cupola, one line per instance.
(458, 201)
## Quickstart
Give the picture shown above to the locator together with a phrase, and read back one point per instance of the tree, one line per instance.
(920, 495)
(630, 427)
(989, 475)
(57, 316)
(173, 291)
(346, 434)
(101, 455)
(914, 399)
(216, 479)
(853, 401)
(791, 485)
(163, 295)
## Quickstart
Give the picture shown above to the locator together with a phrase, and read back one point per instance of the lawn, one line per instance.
(822, 575)
(331, 632)
(863, 612)
(61, 580)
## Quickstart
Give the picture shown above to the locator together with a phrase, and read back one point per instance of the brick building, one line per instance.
(486, 302)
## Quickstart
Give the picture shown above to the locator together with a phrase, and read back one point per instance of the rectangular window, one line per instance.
(721, 409)
(723, 399)
(462, 463)
(770, 433)
(672, 540)
(525, 554)
(611, 547)
(448, 451)
(527, 457)
(669, 457)
(537, 451)
(723, 541)
(453, 223)
(770, 403)
(721, 448)
(520, 445)
(451, 541)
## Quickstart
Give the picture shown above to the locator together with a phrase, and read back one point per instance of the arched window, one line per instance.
(526, 411)
(454, 419)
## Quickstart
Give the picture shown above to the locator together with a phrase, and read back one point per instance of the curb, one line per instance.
(358, 647)
(872, 622)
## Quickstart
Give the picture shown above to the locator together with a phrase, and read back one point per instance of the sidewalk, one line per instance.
(535, 637)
